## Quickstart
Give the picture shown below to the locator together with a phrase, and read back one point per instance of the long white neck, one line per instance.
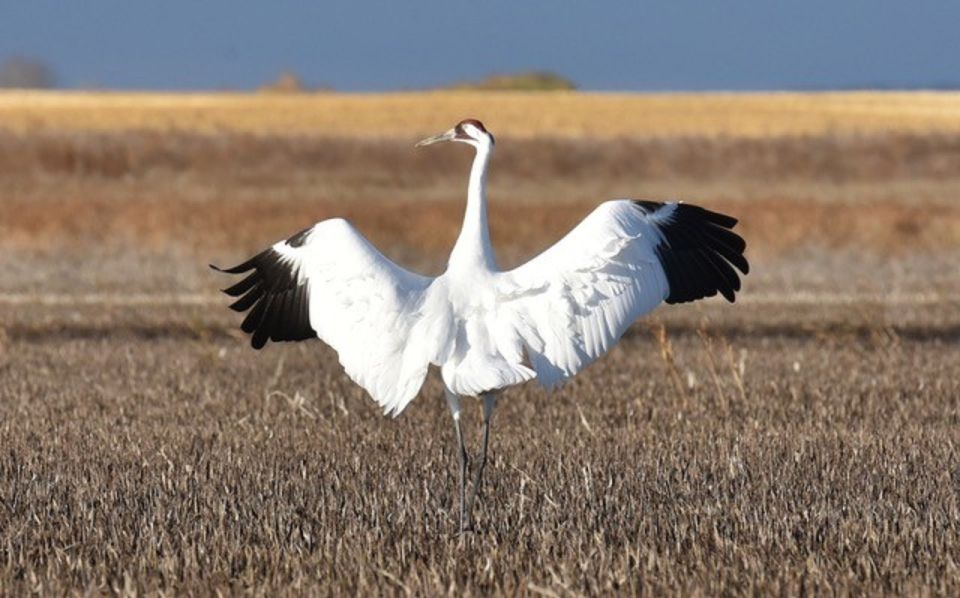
(473, 249)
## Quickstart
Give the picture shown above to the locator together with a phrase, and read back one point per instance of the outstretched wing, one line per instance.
(329, 282)
(570, 304)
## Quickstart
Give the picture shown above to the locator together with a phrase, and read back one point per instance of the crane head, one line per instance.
(470, 131)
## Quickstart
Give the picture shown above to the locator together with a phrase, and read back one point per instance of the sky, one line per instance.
(360, 45)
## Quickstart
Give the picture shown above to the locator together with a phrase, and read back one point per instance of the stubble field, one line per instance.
(803, 439)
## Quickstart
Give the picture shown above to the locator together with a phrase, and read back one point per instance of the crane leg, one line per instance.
(464, 464)
(453, 401)
(489, 402)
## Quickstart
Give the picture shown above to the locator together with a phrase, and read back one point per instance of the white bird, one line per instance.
(486, 329)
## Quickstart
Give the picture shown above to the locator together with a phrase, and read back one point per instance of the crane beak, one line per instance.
(448, 136)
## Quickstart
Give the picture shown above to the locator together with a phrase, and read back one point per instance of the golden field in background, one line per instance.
(513, 114)
(197, 175)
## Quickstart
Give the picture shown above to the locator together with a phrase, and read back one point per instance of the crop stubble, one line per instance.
(716, 459)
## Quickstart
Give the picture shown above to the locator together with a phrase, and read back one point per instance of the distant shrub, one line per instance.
(529, 81)
(286, 82)
(25, 73)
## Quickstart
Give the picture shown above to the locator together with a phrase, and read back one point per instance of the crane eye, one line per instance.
(461, 132)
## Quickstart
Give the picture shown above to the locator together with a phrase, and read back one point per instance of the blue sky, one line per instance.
(367, 46)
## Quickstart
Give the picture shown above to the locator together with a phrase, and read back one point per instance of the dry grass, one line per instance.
(796, 459)
(210, 194)
(562, 115)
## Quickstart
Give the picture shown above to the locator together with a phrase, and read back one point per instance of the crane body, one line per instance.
(486, 329)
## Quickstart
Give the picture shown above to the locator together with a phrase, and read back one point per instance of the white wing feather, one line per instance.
(366, 307)
(357, 301)
(573, 302)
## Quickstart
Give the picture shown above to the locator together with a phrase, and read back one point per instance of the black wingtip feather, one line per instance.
(247, 301)
(243, 286)
(715, 217)
(700, 254)
(276, 297)
(246, 266)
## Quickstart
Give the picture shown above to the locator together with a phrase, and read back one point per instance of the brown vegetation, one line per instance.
(209, 193)
(804, 460)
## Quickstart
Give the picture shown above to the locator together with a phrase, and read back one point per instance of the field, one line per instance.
(568, 115)
(802, 440)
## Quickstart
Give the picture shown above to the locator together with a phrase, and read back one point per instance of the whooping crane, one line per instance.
(485, 328)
